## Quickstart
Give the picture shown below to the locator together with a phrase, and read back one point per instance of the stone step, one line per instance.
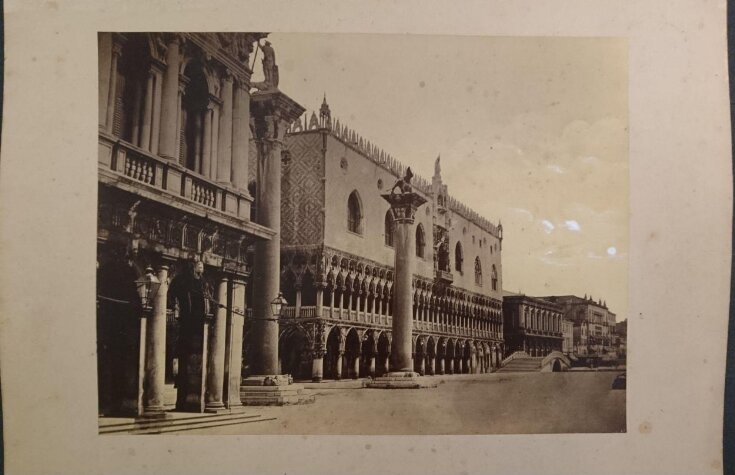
(522, 365)
(206, 425)
(175, 423)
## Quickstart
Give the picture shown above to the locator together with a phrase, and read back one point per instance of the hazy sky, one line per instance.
(532, 132)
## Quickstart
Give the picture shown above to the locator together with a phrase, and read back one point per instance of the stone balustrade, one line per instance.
(368, 318)
(126, 160)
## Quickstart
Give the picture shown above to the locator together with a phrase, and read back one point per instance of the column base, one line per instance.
(216, 408)
(273, 390)
(401, 380)
(154, 414)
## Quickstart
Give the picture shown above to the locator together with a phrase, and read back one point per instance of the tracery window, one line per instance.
(478, 271)
(354, 213)
(420, 241)
(389, 225)
(494, 278)
(458, 257)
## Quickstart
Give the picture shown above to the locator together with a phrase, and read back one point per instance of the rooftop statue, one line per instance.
(270, 69)
(403, 184)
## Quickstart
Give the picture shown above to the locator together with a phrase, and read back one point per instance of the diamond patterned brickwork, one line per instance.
(302, 191)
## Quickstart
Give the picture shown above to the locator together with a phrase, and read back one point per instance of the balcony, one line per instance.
(125, 166)
(443, 276)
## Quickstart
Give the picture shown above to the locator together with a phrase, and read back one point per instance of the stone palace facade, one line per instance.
(337, 258)
(177, 120)
(216, 193)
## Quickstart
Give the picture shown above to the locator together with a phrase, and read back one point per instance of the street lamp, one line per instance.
(278, 303)
(147, 287)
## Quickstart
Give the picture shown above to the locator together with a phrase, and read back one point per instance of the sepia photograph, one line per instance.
(361, 234)
(346, 237)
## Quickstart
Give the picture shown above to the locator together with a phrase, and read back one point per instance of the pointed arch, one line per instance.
(420, 241)
(458, 257)
(389, 228)
(478, 271)
(354, 213)
(494, 278)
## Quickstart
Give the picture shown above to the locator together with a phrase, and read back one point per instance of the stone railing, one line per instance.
(368, 318)
(444, 276)
(126, 160)
(514, 355)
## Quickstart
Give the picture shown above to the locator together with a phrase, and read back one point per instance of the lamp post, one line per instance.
(147, 286)
(277, 304)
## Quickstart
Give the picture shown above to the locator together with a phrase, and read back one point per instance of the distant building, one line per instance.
(532, 324)
(567, 331)
(620, 339)
(594, 323)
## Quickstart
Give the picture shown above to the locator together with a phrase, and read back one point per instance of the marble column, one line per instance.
(211, 172)
(216, 356)
(207, 142)
(356, 365)
(145, 134)
(317, 366)
(169, 129)
(451, 365)
(441, 365)
(234, 344)
(155, 351)
(240, 136)
(179, 118)
(272, 112)
(422, 364)
(338, 368)
(156, 119)
(403, 206)
(319, 298)
(224, 146)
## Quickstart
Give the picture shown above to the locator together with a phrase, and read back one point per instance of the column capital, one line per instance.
(117, 48)
(272, 111)
(404, 205)
(118, 41)
(227, 75)
(174, 38)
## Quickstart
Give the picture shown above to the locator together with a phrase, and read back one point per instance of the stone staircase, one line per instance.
(520, 364)
(178, 422)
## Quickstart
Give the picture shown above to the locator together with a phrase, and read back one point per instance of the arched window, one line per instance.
(494, 278)
(478, 271)
(132, 79)
(420, 241)
(389, 228)
(194, 107)
(354, 213)
(458, 257)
